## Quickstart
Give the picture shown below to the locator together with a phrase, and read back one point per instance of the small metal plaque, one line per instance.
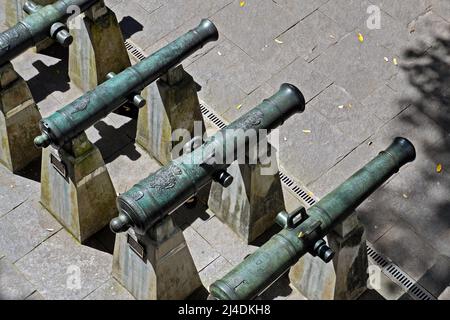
(58, 165)
(136, 246)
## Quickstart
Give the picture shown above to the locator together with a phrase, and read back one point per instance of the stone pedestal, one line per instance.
(172, 115)
(343, 279)
(76, 188)
(156, 266)
(250, 204)
(98, 47)
(19, 121)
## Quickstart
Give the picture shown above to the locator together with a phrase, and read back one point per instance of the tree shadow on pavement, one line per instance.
(413, 208)
(428, 76)
(422, 191)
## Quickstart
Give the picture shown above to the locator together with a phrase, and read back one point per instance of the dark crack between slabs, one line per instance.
(37, 246)
(21, 203)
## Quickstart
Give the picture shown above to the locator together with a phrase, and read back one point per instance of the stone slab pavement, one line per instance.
(360, 96)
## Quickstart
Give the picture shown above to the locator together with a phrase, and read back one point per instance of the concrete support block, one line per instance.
(19, 121)
(343, 279)
(156, 266)
(98, 47)
(76, 188)
(172, 104)
(250, 204)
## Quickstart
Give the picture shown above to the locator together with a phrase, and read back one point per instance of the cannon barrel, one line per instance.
(43, 22)
(303, 230)
(171, 186)
(68, 122)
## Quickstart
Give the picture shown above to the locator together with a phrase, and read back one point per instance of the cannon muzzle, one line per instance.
(402, 150)
(304, 229)
(289, 97)
(207, 31)
(167, 189)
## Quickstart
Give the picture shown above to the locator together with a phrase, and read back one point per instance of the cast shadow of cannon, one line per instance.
(32, 171)
(129, 27)
(115, 142)
(51, 78)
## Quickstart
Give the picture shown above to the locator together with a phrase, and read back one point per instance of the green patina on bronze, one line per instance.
(270, 261)
(40, 24)
(76, 117)
(164, 191)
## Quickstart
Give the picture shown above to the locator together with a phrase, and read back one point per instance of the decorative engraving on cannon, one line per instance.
(253, 119)
(82, 103)
(165, 179)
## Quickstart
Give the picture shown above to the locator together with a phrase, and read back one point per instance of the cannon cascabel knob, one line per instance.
(120, 224)
(42, 141)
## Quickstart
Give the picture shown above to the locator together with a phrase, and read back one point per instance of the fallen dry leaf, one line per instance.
(360, 37)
